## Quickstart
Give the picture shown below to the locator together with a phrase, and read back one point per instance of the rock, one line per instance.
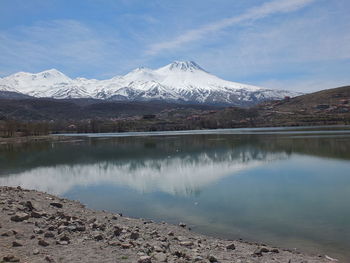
(80, 228)
(38, 231)
(198, 258)
(157, 249)
(212, 259)
(275, 250)
(10, 258)
(58, 205)
(58, 242)
(36, 251)
(29, 205)
(134, 235)
(260, 250)
(145, 259)
(36, 214)
(64, 238)
(17, 244)
(43, 243)
(171, 233)
(18, 217)
(160, 257)
(117, 230)
(182, 224)
(49, 235)
(7, 233)
(186, 243)
(98, 237)
(49, 259)
(231, 246)
(126, 245)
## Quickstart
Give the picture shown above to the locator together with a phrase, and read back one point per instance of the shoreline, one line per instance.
(39, 227)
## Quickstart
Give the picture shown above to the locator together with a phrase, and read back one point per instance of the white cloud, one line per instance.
(269, 8)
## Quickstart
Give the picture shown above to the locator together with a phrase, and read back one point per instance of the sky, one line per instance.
(299, 45)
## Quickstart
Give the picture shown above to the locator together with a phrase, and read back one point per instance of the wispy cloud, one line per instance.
(266, 9)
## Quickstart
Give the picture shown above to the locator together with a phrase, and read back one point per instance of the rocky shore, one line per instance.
(38, 227)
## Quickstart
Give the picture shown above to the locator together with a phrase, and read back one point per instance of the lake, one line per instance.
(288, 187)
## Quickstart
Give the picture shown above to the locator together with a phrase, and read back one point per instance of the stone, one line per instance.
(186, 243)
(49, 259)
(160, 257)
(43, 243)
(36, 214)
(16, 243)
(98, 237)
(49, 235)
(57, 205)
(64, 238)
(80, 228)
(19, 217)
(38, 231)
(117, 230)
(275, 250)
(126, 245)
(171, 233)
(10, 258)
(134, 235)
(260, 250)
(36, 251)
(58, 242)
(145, 259)
(231, 246)
(212, 259)
(182, 224)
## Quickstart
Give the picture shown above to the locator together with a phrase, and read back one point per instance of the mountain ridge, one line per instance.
(180, 81)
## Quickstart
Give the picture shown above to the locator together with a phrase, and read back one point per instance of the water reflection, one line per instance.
(287, 189)
(184, 175)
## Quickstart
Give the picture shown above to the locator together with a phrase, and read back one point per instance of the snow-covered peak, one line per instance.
(183, 81)
(190, 66)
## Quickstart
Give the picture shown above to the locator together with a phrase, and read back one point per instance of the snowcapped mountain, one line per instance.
(180, 81)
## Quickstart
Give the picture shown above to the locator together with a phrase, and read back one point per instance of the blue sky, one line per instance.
(299, 45)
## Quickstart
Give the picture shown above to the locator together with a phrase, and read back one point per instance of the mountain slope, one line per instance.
(184, 82)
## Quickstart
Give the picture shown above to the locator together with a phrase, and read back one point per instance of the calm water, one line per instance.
(289, 188)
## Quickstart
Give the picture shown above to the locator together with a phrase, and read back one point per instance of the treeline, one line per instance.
(13, 128)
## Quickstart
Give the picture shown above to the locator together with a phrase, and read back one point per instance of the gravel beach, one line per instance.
(38, 227)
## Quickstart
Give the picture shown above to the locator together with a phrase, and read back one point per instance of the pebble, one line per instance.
(16, 244)
(145, 259)
(10, 258)
(19, 217)
(58, 205)
(231, 246)
(43, 243)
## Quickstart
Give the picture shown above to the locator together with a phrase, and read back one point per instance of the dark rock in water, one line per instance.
(231, 246)
(16, 244)
(58, 205)
(43, 243)
(18, 217)
(145, 259)
(182, 224)
(10, 258)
